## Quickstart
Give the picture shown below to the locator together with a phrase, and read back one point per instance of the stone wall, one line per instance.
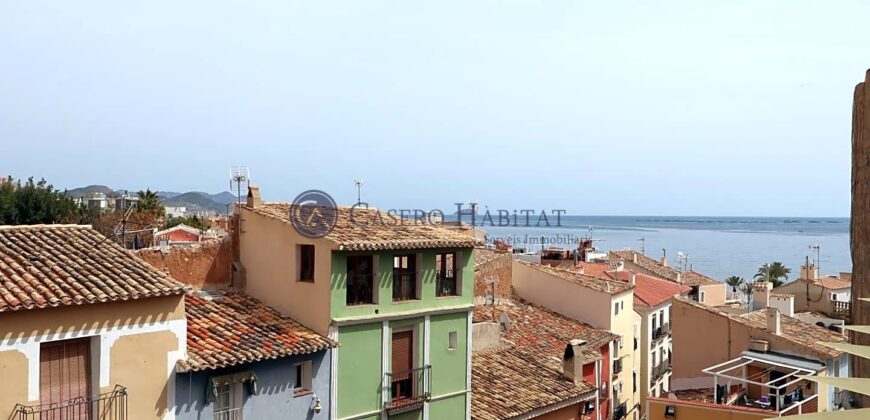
(206, 265)
(492, 265)
(860, 234)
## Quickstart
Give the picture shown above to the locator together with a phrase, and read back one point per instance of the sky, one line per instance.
(598, 108)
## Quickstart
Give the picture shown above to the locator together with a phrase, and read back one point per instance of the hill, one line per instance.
(90, 189)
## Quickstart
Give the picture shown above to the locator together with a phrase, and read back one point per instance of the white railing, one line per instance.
(228, 414)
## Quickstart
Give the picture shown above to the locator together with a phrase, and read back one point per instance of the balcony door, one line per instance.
(403, 351)
(65, 376)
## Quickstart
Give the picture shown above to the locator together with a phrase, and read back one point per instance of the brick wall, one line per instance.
(204, 265)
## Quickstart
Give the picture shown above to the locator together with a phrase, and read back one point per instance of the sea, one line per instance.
(716, 246)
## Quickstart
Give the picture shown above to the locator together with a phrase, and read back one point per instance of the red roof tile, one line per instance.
(44, 266)
(233, 328)
(650, 291)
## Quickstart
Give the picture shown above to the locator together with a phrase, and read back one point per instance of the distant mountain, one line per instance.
(167, 194)
(90, 189)
(224, 197)
(196, 201)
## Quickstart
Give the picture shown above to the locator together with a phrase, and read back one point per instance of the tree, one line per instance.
(774, 272)
(734, 282)
(192, 221)
(746, 288)
(149, 202)
(36, 203)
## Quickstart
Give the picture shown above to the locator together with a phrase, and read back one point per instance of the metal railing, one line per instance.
(660, 370)
(408, 389)
(109, 406)
(228, 414)
(445, 283)
(360, 288)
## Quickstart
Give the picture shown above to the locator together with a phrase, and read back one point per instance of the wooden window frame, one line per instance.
(309, 266)
(400, 294)
(356, 275)
(302, 378)
(442, 281)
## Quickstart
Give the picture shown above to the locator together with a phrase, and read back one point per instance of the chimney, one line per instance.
(773, 323)
(761, 294)
(809, 271)
(572, 361)
(633, 279)
(634, 257)
(620, 265)
(253, 196)
(664, 257)
(679, 278)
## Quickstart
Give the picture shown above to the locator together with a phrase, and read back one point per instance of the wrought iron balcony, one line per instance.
(660, 370)
(109, 406)
(408, 389)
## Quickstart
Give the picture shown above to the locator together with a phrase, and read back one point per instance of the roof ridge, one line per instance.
(45, 226)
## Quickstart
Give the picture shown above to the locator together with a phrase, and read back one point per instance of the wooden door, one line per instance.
(64, 376)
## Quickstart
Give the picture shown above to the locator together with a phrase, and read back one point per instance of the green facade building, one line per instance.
(396, 296)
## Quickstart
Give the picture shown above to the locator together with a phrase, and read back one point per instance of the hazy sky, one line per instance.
(725, 108)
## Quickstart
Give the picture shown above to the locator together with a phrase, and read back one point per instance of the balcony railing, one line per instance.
(408, 389)
(228, 414)
(660, 370)
(109, 406)
(841, 309)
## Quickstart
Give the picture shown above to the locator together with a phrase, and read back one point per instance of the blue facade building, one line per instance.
(245, 361)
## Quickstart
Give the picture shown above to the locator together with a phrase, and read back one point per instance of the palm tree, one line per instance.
(746, 289)
(149, 202)
(734, 282)
(774, 272)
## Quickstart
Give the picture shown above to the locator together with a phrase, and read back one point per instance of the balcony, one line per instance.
(109, 406)
(620, 412)
(408, 389)
(841, 309)
(660, 370)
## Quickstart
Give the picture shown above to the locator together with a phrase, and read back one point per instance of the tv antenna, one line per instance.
(818, 249)
(358, 183)
(239, 175)
(683, 260)
(642, 245)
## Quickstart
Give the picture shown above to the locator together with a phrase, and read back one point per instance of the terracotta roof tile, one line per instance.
(234, 328)
(688, 278)
(650, 291)
(594, 283)
(794, 330)
(484, 256)
(44, 266)
(540, 330)
(509, 382)
(393, 233)
(833, 283)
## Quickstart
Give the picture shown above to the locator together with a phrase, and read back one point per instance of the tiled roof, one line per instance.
(688, 278)
(483, 256)
(833, 283)
(594, 283)
(234, 328)
(44, 266)
(540, 330)
(650, 291)
(782, 295)
(792, 329)
(370, 234)
(594, 269)
(509, 382)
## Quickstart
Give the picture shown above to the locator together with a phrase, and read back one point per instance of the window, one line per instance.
(451, 340)
(65, 371)
(402, 365)
(445, 274)
(404, 277)
(302, 378)
(228, 401)
(702, 297)
(616, 308)
(634, 380)
(360, 280)
(306, 263)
